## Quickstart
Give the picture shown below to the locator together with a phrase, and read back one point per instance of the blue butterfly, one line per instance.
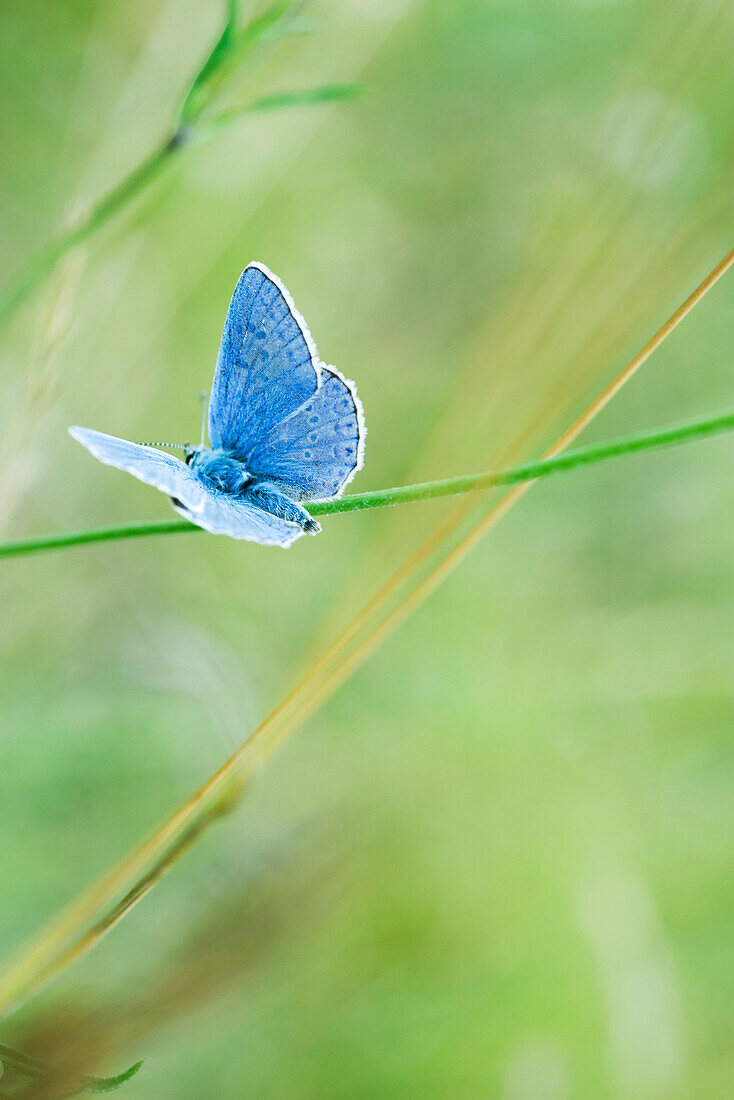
(283, 427)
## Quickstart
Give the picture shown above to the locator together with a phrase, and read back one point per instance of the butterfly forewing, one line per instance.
(146, 464)
(267, 364)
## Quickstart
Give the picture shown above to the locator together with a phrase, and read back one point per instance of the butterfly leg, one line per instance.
(267, 496)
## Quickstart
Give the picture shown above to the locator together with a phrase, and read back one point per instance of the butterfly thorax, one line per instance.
(218, 469)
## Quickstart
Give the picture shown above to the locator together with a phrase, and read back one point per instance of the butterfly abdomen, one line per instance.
(271, 499)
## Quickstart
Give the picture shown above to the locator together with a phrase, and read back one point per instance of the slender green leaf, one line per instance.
(261, 27)
(227, 55)
(32, 1067)
(328, 93)
(109, 1084)
(216, 56)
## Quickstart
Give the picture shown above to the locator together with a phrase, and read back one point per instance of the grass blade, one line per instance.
(228, 52)
(306, 97)
(215, 59)
(111, 1084)
(88, 1083)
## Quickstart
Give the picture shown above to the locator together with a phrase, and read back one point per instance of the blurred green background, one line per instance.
(500, 861)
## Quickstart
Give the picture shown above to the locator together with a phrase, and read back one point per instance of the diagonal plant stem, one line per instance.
(45, 261)
(198, 116)
(38, 961)
(411, 494)
(84, 944)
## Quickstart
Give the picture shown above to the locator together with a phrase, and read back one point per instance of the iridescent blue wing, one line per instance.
(226, 515)
(267, 364)
(169, 474)
(207, 508)
(318, 449)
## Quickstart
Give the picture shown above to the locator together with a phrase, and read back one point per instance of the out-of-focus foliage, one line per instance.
(499, 863)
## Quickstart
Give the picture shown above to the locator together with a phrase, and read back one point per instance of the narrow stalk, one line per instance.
(44, 262)
(19, 547)
(410, 494)
(528, 471)
(82, 946)
(228, 52)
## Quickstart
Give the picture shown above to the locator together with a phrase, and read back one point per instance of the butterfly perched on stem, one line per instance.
(283, 428)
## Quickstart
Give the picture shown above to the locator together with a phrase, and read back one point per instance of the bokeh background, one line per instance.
(500, 861)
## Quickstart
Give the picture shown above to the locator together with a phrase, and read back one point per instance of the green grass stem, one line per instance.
(410, 494)
(44, 262)
(197, 117)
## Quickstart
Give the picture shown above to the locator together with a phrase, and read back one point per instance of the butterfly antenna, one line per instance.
(202, 401)
(174, 446)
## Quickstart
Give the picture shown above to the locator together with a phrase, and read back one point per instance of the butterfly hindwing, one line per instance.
(317, 450)
(233, 516)
(267, 364)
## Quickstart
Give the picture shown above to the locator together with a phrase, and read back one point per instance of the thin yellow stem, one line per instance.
(84, 944)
